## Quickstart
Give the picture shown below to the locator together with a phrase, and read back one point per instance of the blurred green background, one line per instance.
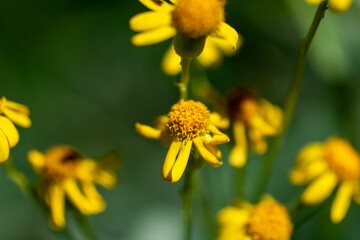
(72, 63)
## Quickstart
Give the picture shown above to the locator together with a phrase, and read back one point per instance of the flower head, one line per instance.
(324, 166)
(65, 174)
(338, 6)
(252, 118)
(191, 19)
(11, 112)
(188, 122)
(267, 220)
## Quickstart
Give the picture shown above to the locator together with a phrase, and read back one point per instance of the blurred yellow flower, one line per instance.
(192, 18)
(9, 136)
(188, 122)
(64, 173)
(324, 166)
(211, 55)
(254, 119)
(267, 220)
(335, 5)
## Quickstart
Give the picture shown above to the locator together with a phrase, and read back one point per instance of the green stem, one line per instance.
(186, 194)
(185, 78)
(85, 226)
(291, 100)
(239, 182)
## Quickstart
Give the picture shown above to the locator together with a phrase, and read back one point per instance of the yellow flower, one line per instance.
(335, 5)
(188, 122)
(253, 118)
(193, 18)
(211, 55)
(9, 136)
(66, 174)
(324, 166)
(267, 220)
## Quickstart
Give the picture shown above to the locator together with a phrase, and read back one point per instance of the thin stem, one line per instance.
(291, 100)
(185, 78)
(186, 194)
(85, 226)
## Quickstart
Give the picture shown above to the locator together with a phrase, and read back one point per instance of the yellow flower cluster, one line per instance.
(11, 112)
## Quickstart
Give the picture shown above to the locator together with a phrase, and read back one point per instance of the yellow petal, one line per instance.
(234, 216)
(4, 147)
(340, 6)
(206, 154)
(171, 62)
(258, 142)
(76, 197)
(9, 130)
(150, 20)
(319, 189)
(181, 161)
(57, 205)
(228, 33)
(219, 121)
(170, 160)
(153, 36)
(157, 5)
(18, 107)
(36, 159)
(219, 137)
(147, 131)
(18, 118)
(210, 55)
(311, 152)
(304, 174)
(238, 153)
(106, 178)
(95, 201)
(342, 201)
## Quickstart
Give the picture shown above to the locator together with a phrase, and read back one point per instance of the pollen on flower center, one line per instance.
(269, 221)
(61, 162)
(188, 119)
(342, 159)
(197, 18)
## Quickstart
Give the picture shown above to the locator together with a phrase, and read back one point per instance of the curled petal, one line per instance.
(10, 131)
(149, 20)
(219, 121)
(181, 161)
(342, 201)
(57, 205)
(170, 160)
(320, 189)
(153, 36)
(148, 131)
(205, 153)
(228, 33)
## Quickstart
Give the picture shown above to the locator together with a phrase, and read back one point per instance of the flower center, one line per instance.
(61, 162)
(188, 119)
(269, 221)
(197, 18)
(342, 159)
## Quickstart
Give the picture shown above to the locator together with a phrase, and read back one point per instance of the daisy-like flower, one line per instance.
(211, 55)
(338, 6)
(252, 119)
(188, 123)
(65, 174)
(266, 220)
(11, 112)
(193, 19)
(324, 166)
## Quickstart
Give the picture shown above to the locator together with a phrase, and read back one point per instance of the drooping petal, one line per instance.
(320, 188)
(342, 201)
(153, 36)
(96, 202)
(171, 62)
(181, 161)
(4, 147)
(36, 159)
(206, 154)
(76, 197)
(18, 118)
(228, 33)
(238, 153)
(210, 55)
(149, 20)
(157, 5)
(10, 131)
(148, 131)
(57, 205)
(170, 159)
